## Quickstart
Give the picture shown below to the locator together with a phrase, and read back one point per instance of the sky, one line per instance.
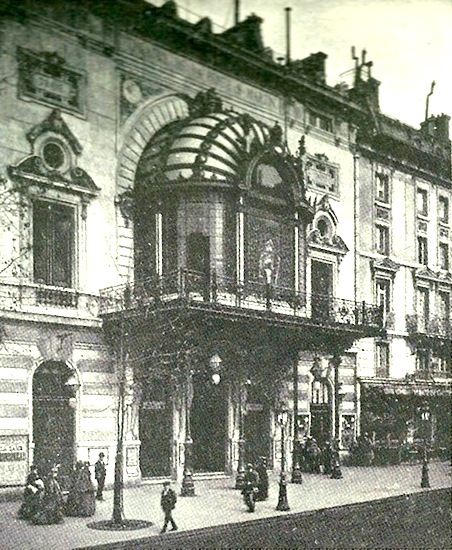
(409, 42)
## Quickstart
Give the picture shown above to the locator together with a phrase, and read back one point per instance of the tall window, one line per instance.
(422, 250)
(443, 210)
(382, 369)
(382, 187)
(422, 360)
(444, 311)
(422, 202)
(423, 308)
(382, 235)
(444, 256)
(383, 291)
(53, 244)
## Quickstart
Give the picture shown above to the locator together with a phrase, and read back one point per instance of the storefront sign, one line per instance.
(132, 457)
(13, 459)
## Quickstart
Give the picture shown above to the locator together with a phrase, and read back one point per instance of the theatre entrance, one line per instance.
(209, 424)
(155, 431)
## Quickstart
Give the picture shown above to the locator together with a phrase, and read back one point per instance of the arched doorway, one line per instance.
(208, 421)
(155, 429)
(54, 418)
(257, 427)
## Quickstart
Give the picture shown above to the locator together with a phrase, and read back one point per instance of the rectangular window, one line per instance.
(382, 367)
(383, 291)
(382, 187)
(443, 210)
(422, 250)
(53, 244)
(422, 360)
(422, 202)
(444, 256)
(321, 121)
(423, 309)
(382, 244)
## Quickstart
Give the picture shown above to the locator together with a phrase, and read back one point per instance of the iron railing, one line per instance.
(433, 325)
(211, 289)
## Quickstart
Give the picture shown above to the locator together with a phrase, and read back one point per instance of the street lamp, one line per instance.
(71, 386)
(243, 395)
(188, 485)
(283, 504)
(425, 417)
(215, 364)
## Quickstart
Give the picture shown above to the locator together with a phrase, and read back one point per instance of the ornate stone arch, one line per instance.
(139, 129)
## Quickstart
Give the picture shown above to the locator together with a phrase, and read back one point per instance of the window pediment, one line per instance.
(386, 266)
(33, 171)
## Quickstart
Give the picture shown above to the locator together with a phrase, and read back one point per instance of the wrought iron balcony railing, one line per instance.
(433, 325)
(223, 291)
(35, 298)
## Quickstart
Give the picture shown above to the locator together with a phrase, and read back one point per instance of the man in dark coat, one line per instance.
(261, 469)
(168, 503)
(100, 472)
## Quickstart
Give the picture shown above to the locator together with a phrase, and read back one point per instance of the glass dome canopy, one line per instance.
(211, 148)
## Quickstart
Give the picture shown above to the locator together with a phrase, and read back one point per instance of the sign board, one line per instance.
(13, 459)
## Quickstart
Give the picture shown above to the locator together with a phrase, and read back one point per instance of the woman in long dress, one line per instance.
(52, 503)
(34, 489)
(81, 499)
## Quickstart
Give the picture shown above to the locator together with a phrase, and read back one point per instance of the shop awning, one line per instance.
(421, 388)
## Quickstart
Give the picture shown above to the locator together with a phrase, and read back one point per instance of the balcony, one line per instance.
(433, 326)
(199, 290)
(34, 298)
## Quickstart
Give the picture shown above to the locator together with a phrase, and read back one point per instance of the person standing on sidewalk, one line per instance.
(100, 472)
(168, 503)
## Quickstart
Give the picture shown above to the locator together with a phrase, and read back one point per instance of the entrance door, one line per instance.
(155, 431)
(257, 433)
(54, 420)
(320, 423)
(208, 420)
(321, 289)
(198, 260)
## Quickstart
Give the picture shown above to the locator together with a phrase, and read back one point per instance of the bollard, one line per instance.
(425, 482)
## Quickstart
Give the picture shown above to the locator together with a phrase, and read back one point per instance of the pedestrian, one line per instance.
(34, 489)
(250, 487)
(52, 504)
(81, 499)
(261, 469)
(327, 456)
(100, 472)
(168, 503)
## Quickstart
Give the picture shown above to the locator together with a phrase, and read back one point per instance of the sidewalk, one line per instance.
(217, 503)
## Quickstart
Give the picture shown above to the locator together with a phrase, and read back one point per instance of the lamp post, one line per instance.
(240, 477)
(188, 485)
(296, 470)
(425, 417)
(283, 504)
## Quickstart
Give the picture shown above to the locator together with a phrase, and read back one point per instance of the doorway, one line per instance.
(257, 433)
(321, 423)
(209, 423)
(321, 289)
(54, 420)
(155, 431)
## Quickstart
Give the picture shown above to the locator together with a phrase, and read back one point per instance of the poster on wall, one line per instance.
(13, 459)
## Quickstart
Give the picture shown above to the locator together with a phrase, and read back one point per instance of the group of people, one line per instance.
(44, 502)
(314, 459)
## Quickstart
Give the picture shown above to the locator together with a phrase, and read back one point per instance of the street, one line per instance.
(420, 520)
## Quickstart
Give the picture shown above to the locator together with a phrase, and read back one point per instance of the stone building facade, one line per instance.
(188, 234)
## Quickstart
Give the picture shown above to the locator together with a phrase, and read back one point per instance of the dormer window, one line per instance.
(321, 121)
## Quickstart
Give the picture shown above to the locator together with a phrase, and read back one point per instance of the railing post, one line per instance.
(268, 296)
(182, 282)
(214, 286)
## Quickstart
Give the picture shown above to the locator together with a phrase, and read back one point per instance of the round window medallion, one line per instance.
(54, 155)
(323, 227)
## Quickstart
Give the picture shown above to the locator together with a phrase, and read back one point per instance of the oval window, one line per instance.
(54, 155)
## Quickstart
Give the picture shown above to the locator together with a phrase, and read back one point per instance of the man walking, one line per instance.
(168, 503)
(100, 472)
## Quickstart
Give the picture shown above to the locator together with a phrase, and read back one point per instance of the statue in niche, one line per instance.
(269, 262)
